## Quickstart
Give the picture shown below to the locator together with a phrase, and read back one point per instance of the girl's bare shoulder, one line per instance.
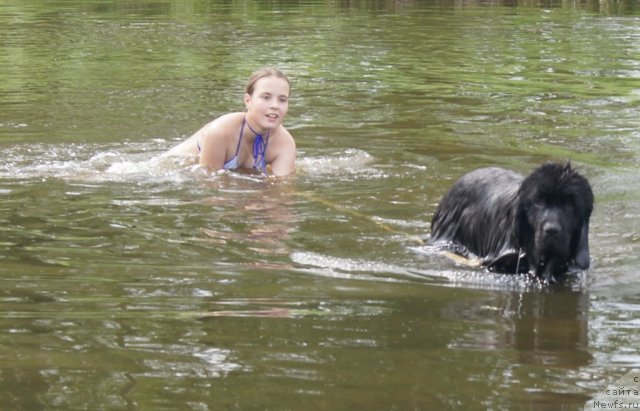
(224, 125)
(284, 137)
(229, 119)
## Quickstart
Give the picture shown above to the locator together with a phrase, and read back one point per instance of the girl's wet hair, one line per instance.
(262, 73)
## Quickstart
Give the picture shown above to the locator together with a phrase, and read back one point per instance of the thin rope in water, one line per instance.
(358, 214)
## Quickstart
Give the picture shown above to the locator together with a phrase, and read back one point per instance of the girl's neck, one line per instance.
(255, 131)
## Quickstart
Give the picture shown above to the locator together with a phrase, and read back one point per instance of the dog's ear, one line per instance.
(523, 230)
(582, 257)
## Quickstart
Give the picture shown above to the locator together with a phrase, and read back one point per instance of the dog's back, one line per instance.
(476, 214)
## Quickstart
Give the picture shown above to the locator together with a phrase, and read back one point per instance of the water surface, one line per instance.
(129, 281)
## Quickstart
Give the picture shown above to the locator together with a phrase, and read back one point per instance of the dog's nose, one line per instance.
(551, 228)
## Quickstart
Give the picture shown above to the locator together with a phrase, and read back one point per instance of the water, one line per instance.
(129, 281)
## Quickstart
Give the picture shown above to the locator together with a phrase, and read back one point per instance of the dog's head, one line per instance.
(552, 220)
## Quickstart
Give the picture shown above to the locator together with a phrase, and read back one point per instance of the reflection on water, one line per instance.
(547, 328)
(133, 281)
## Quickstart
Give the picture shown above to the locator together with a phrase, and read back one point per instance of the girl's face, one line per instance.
(268, 105)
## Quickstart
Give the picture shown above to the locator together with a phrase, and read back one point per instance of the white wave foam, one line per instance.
(142, 162)
(348, 164)
(354, 269)
(94, 163)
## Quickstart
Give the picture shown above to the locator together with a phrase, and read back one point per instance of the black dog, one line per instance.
(538, 224)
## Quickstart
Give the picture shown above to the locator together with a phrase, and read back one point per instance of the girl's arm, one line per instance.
(284, 162)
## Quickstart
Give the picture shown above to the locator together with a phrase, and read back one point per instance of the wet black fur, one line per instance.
(498, 215)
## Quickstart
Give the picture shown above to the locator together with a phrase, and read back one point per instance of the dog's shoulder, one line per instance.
(492, 174)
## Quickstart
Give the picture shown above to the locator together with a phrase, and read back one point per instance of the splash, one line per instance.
(346, 164)
(128, 162)
(145, 162)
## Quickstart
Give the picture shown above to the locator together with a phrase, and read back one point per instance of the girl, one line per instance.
(253, 139)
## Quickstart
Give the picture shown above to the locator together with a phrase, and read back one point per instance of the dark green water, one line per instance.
(130, 282)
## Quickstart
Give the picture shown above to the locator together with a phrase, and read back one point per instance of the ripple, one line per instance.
(344, 164)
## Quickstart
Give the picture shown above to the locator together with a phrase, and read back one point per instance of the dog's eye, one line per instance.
(538, 205)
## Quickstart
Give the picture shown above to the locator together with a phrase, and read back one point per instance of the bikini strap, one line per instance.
(259, 152)
(259, 149)
(244, 120)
